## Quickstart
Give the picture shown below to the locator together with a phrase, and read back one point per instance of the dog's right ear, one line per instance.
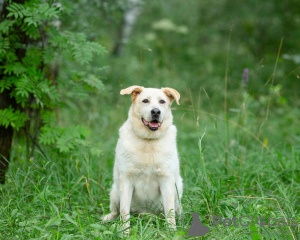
(133, 90)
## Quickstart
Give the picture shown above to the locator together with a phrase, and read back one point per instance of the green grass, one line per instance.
(35, 201)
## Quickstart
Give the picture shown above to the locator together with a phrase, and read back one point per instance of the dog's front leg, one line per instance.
(126, 190)
(167, 188)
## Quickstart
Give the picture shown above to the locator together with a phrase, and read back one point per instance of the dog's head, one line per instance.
(150, 113)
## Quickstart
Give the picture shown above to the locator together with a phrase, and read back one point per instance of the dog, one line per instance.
(146, 175)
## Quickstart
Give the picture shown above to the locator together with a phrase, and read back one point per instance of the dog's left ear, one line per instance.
(133, 90)
(172, 94)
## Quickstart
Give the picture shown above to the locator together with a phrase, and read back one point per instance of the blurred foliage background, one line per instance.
(193, 47)
(185, 45)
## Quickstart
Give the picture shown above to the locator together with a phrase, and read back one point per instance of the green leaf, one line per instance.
(4, 44)
(14, 212)
(69, 218)
(17, 10)
(23, 86)
(38, 228)
(11, 117)
(98, 226)
(6, 83)
(6, 25)
(93, 81)
(22, 224)
(95, 151)
(76, 45)
(53, 221)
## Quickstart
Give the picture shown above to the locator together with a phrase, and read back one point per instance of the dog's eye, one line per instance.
(145, 101)
(162, 101)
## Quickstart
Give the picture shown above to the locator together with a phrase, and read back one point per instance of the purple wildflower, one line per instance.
(245, 77)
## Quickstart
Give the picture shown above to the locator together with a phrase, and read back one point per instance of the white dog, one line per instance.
(146, 170)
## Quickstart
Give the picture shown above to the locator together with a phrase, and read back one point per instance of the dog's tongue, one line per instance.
(153, 124)
(145, 122)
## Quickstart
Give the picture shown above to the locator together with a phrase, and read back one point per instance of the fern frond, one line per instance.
(4, 44)
(23, 86)
(17, 10)
(6, 83)
(6, 25)
(93, 81)
(11, 117)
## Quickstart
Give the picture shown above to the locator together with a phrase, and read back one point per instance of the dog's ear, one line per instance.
(172, 94)
(133, 90)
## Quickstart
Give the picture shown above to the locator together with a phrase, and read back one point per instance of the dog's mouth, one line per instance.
(153, 125)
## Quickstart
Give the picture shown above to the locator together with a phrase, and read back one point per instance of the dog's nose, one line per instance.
(155, 112)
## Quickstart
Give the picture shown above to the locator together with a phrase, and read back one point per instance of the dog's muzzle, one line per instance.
(153, 125)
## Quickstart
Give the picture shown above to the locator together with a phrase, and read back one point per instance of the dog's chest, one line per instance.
(149, 160)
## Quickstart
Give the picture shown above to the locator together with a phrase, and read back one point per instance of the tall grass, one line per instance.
(64, 196)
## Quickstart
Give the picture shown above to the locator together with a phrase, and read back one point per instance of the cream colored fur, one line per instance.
(146, 175)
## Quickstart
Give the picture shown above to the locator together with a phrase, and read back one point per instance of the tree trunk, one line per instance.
(128, 21)
(6, 136)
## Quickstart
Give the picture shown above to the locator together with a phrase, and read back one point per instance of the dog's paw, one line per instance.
(126, 228)
(109, 217)
(171, 225)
